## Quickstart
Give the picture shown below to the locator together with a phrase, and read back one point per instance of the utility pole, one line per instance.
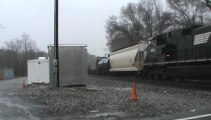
(56, 43)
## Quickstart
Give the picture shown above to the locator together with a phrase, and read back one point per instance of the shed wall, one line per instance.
(72, 65)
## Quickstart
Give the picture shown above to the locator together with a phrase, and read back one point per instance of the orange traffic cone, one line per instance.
(24, 85)
(134, 94)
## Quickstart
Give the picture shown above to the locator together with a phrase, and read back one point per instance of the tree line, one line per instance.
(15, 54)
(148, 18)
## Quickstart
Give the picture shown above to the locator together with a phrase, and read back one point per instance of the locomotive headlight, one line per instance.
(167, 56)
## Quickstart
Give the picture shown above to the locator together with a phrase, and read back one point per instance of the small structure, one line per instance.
(72, 65)
(6, 73)
(38, 71)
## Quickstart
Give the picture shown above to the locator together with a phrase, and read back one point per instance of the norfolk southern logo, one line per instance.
(201, 38)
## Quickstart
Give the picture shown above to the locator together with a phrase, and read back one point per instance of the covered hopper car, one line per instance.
(128, 59)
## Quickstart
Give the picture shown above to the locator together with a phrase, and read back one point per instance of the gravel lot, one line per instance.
(109, 99)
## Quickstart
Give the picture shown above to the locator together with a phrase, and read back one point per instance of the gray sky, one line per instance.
(81, 21)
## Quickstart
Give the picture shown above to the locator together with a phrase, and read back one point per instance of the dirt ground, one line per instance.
(102, 99)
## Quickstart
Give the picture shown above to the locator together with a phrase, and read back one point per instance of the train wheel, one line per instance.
(163, 75)
(150, 75)
(157, 74)
(144, 74)
(139, 74)
(181, 79)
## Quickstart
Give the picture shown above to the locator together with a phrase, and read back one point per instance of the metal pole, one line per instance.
(202, 22)
(56, 42)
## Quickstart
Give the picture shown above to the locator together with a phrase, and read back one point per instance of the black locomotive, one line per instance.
(182, 53)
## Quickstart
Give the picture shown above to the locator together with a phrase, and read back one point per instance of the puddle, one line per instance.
(108, 114)
(87, 89)
(123, 89)
(94, 111)
(111, 118)
(11, 94)
(11, 105)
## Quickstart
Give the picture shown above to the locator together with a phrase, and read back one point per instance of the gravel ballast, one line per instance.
(104, 98)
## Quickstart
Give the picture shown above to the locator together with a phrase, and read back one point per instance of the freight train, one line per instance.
(182, 53)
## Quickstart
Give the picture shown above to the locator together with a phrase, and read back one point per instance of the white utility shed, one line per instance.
(38, 71)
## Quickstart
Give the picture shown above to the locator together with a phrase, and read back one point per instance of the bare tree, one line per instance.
(14, 45)
(111, 31)
(187, 12)
(153, 16)
(29, 48)
(133, 22)
(17, 52)
(138, 21)
(120, 33)
(208, 3)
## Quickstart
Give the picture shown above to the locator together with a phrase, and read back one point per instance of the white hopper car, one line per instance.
(128, 59)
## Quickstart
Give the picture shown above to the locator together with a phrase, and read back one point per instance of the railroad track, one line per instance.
(185, 84)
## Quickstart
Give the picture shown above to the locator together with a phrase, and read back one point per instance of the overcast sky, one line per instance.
(81, 21)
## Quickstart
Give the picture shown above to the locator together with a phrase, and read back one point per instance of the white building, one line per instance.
(38, 71)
